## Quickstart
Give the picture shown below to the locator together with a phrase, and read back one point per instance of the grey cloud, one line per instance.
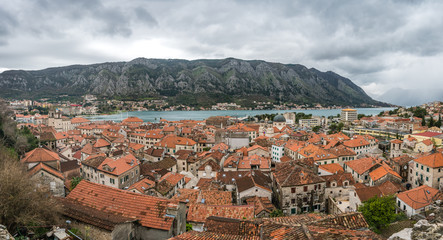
(411, 97)
(7, 24)
(143, 15)
(361, 40)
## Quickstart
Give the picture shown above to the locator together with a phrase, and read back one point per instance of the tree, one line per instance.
(379, 212)
(188, 227)
(332, 128)
(20, 140)
(438, 123)
(21, 202)
(423, 121)
(316, 128)
(431, 122)
(340, 126)
(75, 181)
(277, 213)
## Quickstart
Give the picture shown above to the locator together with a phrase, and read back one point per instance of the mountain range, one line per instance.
(196, 82)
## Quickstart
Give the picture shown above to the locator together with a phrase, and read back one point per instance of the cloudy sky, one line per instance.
(392, 49)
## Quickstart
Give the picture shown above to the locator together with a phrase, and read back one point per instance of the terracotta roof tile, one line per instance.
(215, 197)
(101, 143)
(261, 162)
(382, 171)
(402, 160)
(289, 174)
(93, 216)
(77, 120)
(132, 120)
(433, 160)
(46, 168)
(260, 204)
(171, 141)
(362, 165)
(390, 188)
(208, 184)
(356, 143)
(142, 185)
(194, 235)
(187, 195)
(40, 155)
(150, 211)
(120, 165)
(339, 179)
(332, 167)
(220, 147)
(200, 212)
(165, 163)
(420, 197)
(428, 134)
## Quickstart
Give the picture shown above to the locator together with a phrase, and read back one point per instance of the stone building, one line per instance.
(298, 189)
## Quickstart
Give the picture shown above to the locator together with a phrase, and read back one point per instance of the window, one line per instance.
(305, 188)
(293, 190)
(421, 167)
(427, 169)
(101, 175)
(398, 203)
(416, 165)
(293, 201)
(427, 179)
(112, 181)
(293, 210)
(305, 199)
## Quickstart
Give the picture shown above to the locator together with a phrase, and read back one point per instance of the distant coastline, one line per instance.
(155, 116)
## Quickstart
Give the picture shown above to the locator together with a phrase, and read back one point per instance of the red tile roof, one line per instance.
(362, 165)
(332, 167)
(434, 160)
(199, 212)
(356, 143)
(220, 147)
(40, 155)
(427, 142)
(194, 235)
(89, 215)
(101, 143)
(142, 185)
(261, 162)
(79, 120)
(119, 166)
(150, 211)
(382, 171)
(420, 197)
(288, 174)
(171, 141)
(46, 168)
(132, 120)
(428, 134)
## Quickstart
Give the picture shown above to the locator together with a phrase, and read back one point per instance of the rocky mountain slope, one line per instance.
(199, 80)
